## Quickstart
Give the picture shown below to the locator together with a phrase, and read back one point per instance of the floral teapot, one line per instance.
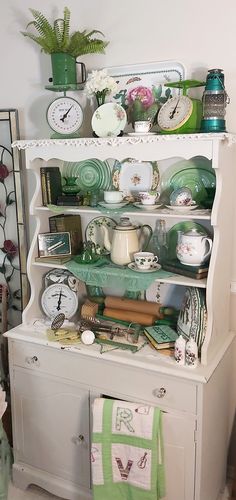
(193, 247)
(126, 240)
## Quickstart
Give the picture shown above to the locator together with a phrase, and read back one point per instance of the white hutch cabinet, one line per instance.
(52, 389)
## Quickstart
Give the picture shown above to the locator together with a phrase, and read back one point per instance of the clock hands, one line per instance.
(59, 301)
(65, 114)
(172, 114)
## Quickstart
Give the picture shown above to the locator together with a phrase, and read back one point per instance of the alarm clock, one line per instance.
(181, 114)
(59, 299)
(64, 117)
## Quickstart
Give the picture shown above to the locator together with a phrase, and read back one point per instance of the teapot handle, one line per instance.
(148, 237)
(210, 246)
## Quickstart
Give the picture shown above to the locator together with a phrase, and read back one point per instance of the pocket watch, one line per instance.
(65, 117)
(59, 298)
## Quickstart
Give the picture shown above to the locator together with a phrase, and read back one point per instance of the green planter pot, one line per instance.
(64, 69)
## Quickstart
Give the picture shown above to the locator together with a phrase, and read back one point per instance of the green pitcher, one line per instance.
(64, 69)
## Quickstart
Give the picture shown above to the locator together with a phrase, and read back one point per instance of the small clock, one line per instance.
(65, 117)
(59, 298)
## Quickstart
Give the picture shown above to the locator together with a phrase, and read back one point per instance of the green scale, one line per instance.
(181, 114)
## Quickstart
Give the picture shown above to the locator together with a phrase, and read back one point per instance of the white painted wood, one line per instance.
(51, 387)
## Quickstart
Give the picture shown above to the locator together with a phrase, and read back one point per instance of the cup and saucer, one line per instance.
(113, 200)
(148, 200)
(142, 128)
(144, 262)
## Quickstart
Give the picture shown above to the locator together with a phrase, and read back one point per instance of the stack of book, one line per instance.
(51, 186)
(161, 336)
(196, 272)
(71, 224)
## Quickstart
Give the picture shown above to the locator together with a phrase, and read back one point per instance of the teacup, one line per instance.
(148, 197)
(145, 260)
(113, 196)
(142, 126)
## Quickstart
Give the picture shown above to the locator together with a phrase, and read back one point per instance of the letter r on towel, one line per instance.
(124, 415)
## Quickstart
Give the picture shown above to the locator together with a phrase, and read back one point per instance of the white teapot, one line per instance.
(193, 247)
(126, 241)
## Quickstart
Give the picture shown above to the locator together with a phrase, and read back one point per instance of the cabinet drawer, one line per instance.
(109, 378)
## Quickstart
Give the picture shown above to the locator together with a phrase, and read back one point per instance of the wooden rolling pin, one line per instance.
(143, 306)
(132, 316)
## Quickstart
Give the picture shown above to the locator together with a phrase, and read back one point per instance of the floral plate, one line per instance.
(132, 175)
(193, 315)
(109, 120)
(94, 232)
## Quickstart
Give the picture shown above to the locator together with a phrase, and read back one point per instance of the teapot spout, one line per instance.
(107, 242)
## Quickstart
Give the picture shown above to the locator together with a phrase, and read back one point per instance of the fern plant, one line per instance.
(56, 37)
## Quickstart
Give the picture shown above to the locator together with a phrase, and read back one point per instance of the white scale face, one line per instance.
(65, 115)
(175, 112)
(59, 298)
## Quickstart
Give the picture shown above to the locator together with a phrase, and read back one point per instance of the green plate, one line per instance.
(172, 234)
(196, 173)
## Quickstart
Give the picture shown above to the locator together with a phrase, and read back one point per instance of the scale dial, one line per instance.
(65, 115)
(175, 113)
(59, 298)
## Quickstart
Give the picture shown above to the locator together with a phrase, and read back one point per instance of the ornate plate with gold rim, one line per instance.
(132, 175)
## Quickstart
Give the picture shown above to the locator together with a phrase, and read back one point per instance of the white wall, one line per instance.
(199, 34)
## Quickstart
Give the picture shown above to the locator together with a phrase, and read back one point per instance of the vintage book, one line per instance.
(196, 272)
(50, 184)
(56, 244)
(161, 336)
(53, 260)
(70, 223)
(66, 200)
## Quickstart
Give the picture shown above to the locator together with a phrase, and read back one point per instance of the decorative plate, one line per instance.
(112, 206)
(154, 267)
(193, 315)
(109, 120)
(196, 174)
(172, 235)
(151, 75)
(91, 174)
(95, 233)
(146, 207)
(132, 175)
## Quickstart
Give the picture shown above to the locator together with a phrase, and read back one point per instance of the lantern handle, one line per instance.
(223, 87)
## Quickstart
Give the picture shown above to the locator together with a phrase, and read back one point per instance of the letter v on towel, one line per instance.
(127, 451)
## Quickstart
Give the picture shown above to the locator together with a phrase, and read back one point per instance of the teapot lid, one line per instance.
(124, 224)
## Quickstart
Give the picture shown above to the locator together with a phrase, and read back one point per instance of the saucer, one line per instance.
(138, 134)
(146, 207)
(133, 267)
(113, 206)
(181, 209)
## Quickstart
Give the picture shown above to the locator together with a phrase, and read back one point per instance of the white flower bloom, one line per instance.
(99, 81)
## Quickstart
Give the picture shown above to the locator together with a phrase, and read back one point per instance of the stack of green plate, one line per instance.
(91, 175)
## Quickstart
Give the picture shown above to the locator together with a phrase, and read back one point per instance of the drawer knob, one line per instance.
(159, 393)
(77, 439)
(32, 360)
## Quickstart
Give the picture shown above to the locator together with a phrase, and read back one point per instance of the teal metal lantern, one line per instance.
(214, 102)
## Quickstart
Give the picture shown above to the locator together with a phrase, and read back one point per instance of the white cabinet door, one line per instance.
(51, 425)
(179, 449)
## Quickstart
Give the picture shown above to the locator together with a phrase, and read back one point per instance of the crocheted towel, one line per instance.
(127, 451)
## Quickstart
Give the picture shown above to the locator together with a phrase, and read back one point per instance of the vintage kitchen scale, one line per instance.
(181, 114)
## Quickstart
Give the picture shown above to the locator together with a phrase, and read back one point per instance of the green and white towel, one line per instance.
(127, 451)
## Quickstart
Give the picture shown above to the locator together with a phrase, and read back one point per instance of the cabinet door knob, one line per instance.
(32, 360)
(159, 393)
(77, 439)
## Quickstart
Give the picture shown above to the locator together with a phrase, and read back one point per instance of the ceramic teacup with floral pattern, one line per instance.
(145, 260)
(148, 197)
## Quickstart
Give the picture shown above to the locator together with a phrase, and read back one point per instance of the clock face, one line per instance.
(64, 115)
(59, 298)
(174, 113)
